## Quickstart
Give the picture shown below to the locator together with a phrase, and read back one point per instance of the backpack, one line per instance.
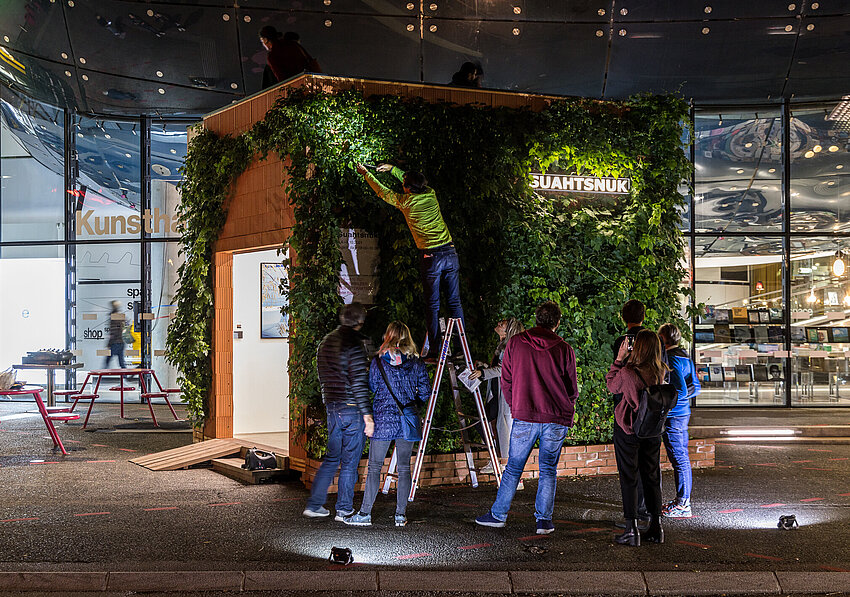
(656, 400)
(689, 379)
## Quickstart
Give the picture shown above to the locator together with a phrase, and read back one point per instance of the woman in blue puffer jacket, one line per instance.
(684, 378)
(408, 378)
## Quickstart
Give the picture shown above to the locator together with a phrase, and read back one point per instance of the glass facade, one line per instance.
(771, 243)
(87, 210)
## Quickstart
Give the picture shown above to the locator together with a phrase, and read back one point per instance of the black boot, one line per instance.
(631, 536)
(654, 534)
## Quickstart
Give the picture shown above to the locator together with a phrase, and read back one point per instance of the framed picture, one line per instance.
(723, 315)
(764, 316)
(707, 316)
(798, 334)
(776, 316)
(743, 373)
(752, 316)
(715, 373)
(841, 335)
(704, 335)
(812, 335)
(740, 315)
(273, 323)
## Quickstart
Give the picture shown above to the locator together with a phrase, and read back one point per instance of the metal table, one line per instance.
(51, 376)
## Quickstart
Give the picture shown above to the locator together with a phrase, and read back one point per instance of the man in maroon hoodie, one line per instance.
(539, 384)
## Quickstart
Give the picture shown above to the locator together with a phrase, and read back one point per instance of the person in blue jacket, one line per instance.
(408, 381)
(684, 378)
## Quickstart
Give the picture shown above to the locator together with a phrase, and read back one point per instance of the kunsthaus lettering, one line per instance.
(580, 184)
(153, 223)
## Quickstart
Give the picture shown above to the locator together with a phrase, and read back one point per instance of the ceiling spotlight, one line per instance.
(225, 17)
(234, 86)
(706, 30)
(433, 29)
(739, 171)
(789, 28)
(810, 27)
(812, 298)
(839, 166)
(601, 12)
(161, 91)
(772, 170)
(599, 33)
(127, 155)
(833, 148)
(838, 266)
(817, 148)
(107, 136)
(85, 77)
(622, 32)
(410, 27)
(515, 30)
(82, 60)
(328, 22)
(247, 18)
(67, 73)
(809, 154)
(64, 56)
(792, 6)
(159, 73)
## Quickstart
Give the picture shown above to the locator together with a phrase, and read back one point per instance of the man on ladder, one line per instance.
(438, 264)
(540, 385)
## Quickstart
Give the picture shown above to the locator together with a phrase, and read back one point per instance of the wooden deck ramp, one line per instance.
(185, 456)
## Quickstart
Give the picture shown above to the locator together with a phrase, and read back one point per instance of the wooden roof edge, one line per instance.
(305, 79)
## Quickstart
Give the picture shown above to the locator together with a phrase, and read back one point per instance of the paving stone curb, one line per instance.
(444, 581)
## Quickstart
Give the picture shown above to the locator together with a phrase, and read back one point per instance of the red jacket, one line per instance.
(539, 377)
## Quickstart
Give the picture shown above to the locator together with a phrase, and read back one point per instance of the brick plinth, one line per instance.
(451, 469)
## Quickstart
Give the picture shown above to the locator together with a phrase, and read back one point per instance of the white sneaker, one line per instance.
(320, 513)
(487, 469)
(341, 516)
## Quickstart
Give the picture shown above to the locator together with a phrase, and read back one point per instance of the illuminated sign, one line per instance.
(565, 183)
(153, 223)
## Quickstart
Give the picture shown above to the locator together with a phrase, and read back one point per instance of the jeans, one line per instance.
(117, 350)
(676, 442)
(439, 268)
(377, 452)
(638, 460)
(523, 436)
(345, 445)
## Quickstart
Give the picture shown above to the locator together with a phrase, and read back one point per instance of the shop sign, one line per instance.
(573, 183)
(155, 222)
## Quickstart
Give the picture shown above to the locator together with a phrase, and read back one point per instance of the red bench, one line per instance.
(48, 414)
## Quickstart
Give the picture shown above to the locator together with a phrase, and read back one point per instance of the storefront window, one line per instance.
(739, 337)
(820, 168)
(31, 166)
(738, 167)
(820, 314)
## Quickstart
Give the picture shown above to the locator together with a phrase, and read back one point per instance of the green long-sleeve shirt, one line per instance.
(421, 211)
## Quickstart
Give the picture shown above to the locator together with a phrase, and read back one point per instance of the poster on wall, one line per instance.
(358, 276)
(273, 323)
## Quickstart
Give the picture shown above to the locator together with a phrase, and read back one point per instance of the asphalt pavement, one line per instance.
(94, 512)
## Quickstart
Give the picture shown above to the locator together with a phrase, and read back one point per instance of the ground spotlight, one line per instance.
(787, 522)
(342, 556)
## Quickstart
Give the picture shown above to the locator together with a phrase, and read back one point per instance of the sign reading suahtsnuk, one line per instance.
(566, 183)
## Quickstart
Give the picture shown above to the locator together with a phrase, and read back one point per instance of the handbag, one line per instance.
(410, 426)
(655, 402)
(256, 460)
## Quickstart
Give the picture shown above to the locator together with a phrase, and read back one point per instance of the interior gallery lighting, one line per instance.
(838, 266)
(812, 298)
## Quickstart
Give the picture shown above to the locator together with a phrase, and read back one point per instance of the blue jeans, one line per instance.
(116, 350)
(439, 268)
(523, 436)
(345, 445)
(377, 452)
(676, 443)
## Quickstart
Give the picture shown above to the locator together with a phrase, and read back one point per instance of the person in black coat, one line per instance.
(344, 379)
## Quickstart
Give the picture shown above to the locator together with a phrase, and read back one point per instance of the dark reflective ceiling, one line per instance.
(126, 57)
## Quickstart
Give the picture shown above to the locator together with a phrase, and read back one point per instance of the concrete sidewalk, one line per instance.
(434, 581)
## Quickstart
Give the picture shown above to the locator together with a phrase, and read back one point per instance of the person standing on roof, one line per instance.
(438, 264)
(286, 56)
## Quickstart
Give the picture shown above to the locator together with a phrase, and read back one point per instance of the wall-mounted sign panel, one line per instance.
(573, 183)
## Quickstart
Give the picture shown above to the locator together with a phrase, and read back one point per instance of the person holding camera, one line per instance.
(638, 459)
(439, 267)
(398, 379)
(684, 378)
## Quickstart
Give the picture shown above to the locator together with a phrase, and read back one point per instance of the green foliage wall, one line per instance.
(516, 248)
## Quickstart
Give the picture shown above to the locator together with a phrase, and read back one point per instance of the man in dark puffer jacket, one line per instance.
(344, 379)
